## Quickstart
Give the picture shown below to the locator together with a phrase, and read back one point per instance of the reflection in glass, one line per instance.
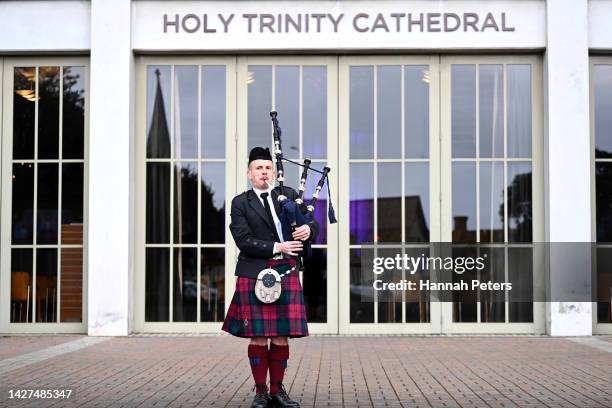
(389, 203)
(491, 202)
(259, 105)
(603, 201)
(320, 212)
(314, 116)
(72, 203)
(287, 88)
(71, 294)
(212, 285)
(23, 112)
(416, 111)
(73, 113)
(158, 112)
(361, 193)
(491, 110)
(315, 286)
(465, 305)
(361, 312)
(185, 203)
(46, 211)
(213, 112)
(213, 203)
(23, 204)
(158, 203)
(520, 221)
(519, 111)
(48, 112)
(464, 202)
(492, 303)
(416, 207)
(520, 274)
(157, 284)
(388, 108)
(21, 285)
(389, 302)
(602, 87)
(185, 287)
(417, 301)
(185, 112)
(463, 110)
(46, 285)
(361, 112)
(603, 284)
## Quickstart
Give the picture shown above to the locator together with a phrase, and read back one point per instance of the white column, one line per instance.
(110, 235)
(567, 150)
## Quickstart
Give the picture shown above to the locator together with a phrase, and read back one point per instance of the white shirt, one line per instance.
(277, 223)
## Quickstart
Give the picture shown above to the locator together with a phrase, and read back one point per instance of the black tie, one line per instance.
(264, 197)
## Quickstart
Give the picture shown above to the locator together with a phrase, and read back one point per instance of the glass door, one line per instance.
(43, 221)
(304, 92)
(389, 179)
(492, 185)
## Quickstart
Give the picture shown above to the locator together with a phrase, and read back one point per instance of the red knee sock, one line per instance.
(258, 359)
(277, 359)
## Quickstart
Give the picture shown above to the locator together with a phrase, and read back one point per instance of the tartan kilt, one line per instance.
(248, 317)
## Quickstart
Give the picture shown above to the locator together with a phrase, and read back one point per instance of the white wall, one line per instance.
(44, 26)
(600, 27)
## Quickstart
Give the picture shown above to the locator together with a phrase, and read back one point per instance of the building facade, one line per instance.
(126, 127)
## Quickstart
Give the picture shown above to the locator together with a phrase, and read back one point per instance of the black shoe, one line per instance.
(281, 399)
(261, 400)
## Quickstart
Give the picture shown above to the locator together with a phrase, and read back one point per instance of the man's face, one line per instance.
(261, 174)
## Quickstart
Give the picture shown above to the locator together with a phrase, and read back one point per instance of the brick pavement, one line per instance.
(324, 371)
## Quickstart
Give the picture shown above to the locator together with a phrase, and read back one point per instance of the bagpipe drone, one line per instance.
(291, 215)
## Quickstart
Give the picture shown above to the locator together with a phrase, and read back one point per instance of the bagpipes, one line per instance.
(291, 214)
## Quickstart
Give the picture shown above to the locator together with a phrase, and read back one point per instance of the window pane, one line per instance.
(72, 285)
(604, 284)
(520, 274)
(287, 88)
(463, 110)
(602, 86)
(185, 203)
(158, 203)
(361, 112)
(519, 110)
(491, 202)
(389, 203)
(213, 112)
(72, 203)
(213, 203)
(46, 212)
(465, 306)
(73, 113)
(520, 222)
(212, 285)
(157, 285)
(416, 111)
(158, 112)
(491, 110)
(23, 112)
(21, 285)
(314, 116)
(315, 286)
(603, 201)
(259, 106)
(361, 193)
(23, 204)
(48, 112)
(492, 306)
(389, 116)
(361, 312)
(185, 112)
(464, 202)
(185, 288)
(46, 285)
(416, 207)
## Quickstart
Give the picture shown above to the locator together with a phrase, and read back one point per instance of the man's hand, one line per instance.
(289, 247)
(302, 233)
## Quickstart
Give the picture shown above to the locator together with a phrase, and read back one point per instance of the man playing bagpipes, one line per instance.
(268, 302)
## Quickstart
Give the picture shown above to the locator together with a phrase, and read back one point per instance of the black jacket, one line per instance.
(253, 233)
